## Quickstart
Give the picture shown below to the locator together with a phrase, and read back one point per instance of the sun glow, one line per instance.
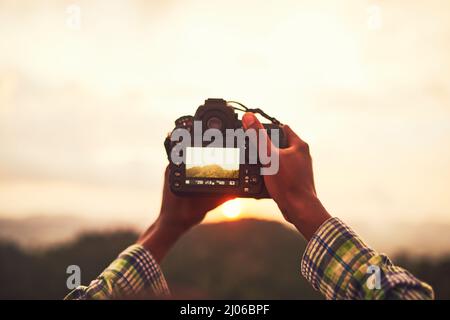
(232, 208)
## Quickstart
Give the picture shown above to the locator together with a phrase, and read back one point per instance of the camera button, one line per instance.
(177, 184)
(177, 164)
(254, 179)
(177, 173)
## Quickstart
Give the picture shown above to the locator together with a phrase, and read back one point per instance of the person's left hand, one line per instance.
(178, 214)
(186, 211)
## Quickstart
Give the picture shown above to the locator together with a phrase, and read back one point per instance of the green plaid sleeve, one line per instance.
(341, 266)
(134, 274)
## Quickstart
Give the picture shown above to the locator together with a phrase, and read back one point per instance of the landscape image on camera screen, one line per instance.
(220, 163)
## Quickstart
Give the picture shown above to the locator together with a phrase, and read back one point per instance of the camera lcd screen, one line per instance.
(218, 163)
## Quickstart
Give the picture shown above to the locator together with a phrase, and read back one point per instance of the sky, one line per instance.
(89, 90)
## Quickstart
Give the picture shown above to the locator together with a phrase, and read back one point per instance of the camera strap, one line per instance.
(254, 110)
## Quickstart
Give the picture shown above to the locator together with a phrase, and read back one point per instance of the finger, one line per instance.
(166, 175)
(166, 172)
(249, 121)
(166, 188)
(219, 200)
(293, 140)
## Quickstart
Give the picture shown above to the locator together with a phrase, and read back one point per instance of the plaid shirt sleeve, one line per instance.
(341, 266)
(134, 274)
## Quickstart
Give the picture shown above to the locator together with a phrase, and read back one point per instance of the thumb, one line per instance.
(249, 121)
(293, 139)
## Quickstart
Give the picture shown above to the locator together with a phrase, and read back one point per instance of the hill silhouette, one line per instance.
(211, 171)
(246, 259)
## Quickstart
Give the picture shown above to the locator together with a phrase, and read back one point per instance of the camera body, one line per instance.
(203, 170)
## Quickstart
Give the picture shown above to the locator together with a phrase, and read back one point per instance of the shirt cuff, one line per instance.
(139, 273)
(331, 258)
(134, 274)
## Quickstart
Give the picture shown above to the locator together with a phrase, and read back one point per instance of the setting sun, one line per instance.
(232, 209)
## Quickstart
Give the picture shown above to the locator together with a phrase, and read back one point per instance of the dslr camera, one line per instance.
(210, 153)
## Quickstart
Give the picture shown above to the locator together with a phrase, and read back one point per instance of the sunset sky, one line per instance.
(84, 108)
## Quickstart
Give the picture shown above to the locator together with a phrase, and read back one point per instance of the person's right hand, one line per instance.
(292, 187)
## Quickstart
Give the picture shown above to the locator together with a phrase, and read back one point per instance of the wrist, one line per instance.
(307, 215)
(160, 237)
(169, 226)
